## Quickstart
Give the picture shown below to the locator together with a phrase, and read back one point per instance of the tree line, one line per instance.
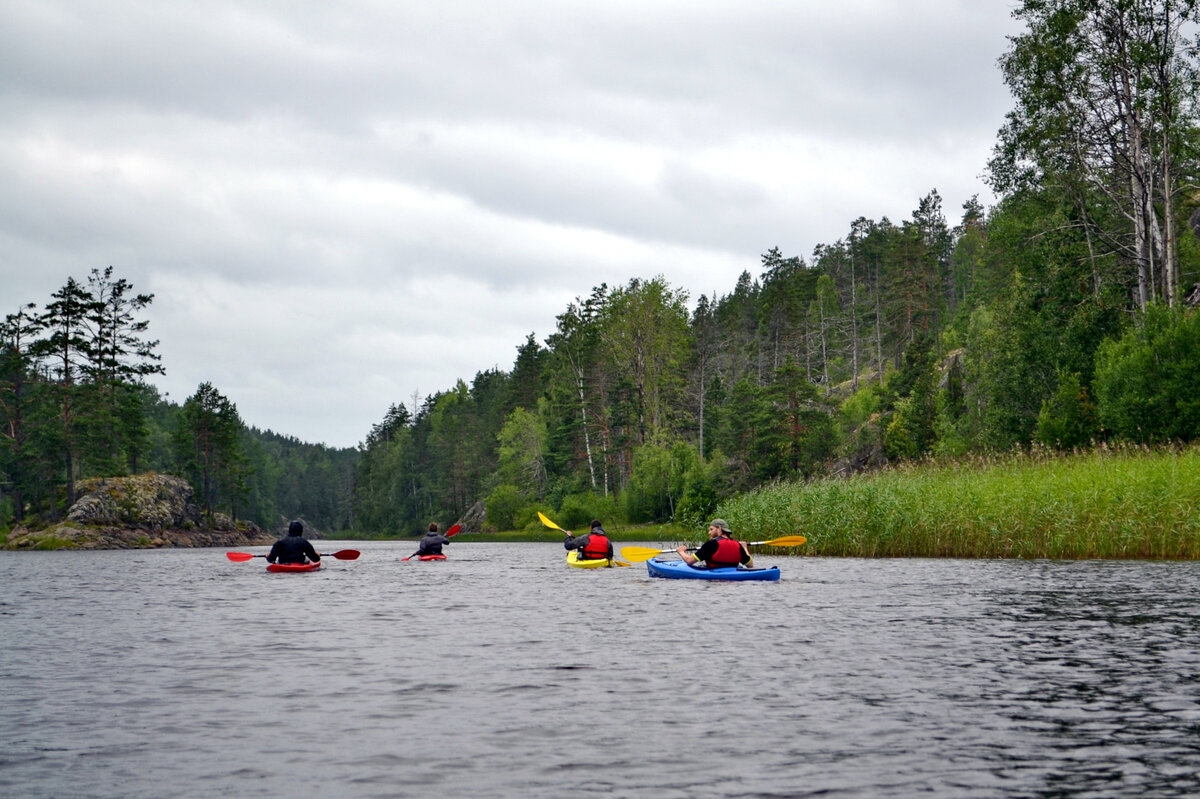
(74, 403)
(1058, 317)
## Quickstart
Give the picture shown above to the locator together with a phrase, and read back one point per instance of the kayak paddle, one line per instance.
(342, 554)
(453, 531)
(549, 523)
(640, 554)
(786, 541)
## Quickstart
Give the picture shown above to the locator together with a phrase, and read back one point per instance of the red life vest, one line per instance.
(597, 547)
(729, 553)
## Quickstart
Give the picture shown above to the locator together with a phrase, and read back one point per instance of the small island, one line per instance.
(138, 511)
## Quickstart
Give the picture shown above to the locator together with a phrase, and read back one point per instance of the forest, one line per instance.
(1061, 317)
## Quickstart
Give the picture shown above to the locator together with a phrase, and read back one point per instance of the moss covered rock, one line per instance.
(144, 510)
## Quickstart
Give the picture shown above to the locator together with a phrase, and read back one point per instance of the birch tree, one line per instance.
(1105, 93)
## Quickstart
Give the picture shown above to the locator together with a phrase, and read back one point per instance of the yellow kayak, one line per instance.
(598, 563)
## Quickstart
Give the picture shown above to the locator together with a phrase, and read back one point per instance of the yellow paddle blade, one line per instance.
(786, 541)
(547, 522)
(639, 554)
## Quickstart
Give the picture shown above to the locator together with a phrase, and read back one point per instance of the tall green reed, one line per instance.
(1125, 502)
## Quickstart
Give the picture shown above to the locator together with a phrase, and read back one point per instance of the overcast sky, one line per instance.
(338, 205)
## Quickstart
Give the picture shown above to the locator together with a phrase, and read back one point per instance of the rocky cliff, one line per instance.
(145, 510)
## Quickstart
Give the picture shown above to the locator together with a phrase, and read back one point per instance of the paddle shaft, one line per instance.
(342, 554)
(639, 554)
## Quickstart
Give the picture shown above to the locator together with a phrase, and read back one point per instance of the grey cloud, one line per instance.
(458, 160)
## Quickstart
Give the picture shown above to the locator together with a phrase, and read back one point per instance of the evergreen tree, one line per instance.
(208, 446)
(17, 368)
(117, 355)
(66, 349)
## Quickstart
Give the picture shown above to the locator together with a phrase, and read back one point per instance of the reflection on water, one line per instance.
(500, 672)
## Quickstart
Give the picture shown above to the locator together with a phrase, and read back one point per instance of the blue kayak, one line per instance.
(679, 570)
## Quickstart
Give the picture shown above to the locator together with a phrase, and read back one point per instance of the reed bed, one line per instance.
(1126, 503)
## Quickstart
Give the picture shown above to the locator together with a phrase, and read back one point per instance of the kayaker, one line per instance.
(433, 541)
(593, 545)
(293, 548)
(721, 550)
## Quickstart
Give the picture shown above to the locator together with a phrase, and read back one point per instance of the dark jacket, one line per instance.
(292, 549)
(432, 544)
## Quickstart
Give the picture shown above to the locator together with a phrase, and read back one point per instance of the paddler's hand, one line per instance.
(681, 549)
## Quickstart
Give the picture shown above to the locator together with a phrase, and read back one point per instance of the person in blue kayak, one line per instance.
(433, 542)
(593, 545)
(721, 550)
(293, 548)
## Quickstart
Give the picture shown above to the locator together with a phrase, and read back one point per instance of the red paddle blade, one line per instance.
(347, 554)
(453, 531)
(238, 556)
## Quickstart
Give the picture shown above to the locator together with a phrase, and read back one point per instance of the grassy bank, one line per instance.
(1125, 503)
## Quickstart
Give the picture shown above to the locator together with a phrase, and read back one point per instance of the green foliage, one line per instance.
(502, 506)
(577, 510)
(644, 342)
(794, 428)
(910, 432)
(209, 450)
(903, 437)
(1148, 380)
(699, 501)
(659, 479)
(1068, 419)
(522, 448)
(860, 406)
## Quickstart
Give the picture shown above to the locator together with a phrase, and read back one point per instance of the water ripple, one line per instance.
(502, 673)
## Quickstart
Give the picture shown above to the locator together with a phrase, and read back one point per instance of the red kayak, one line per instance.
(293, 567)
(431, 557)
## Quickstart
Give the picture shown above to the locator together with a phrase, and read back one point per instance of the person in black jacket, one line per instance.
(293, 548)
(433, 541)
(593, 545)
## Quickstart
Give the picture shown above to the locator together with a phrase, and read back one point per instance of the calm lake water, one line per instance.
(502, 673)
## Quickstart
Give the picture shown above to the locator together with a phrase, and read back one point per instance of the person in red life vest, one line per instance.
(594, 545)
(433, 541)
(293, 548)
(720, 550)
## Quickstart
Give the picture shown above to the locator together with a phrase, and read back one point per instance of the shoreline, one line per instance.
(67, 537)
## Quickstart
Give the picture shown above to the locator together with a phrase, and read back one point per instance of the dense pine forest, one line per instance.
(1061, 317)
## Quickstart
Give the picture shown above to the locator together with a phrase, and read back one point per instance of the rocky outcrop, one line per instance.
(475, 519)
(147, 501)
(145, 510)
